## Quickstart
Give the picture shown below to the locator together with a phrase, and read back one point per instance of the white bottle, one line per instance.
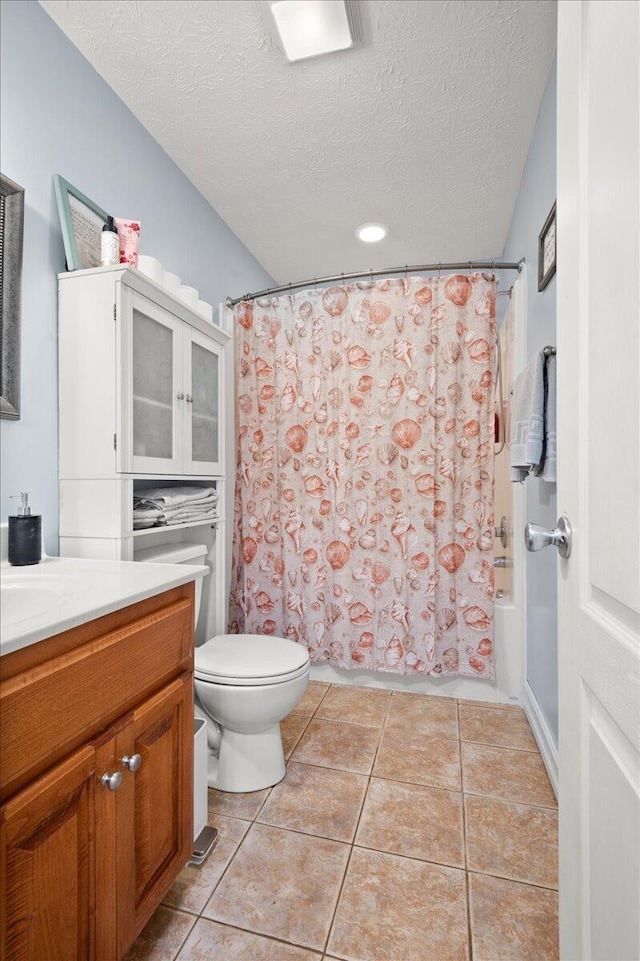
(109, 244)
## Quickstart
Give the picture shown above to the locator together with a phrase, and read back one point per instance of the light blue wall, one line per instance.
(536, 197)
(59, 116)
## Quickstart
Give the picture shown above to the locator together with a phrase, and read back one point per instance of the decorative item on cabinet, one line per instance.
(82, 221)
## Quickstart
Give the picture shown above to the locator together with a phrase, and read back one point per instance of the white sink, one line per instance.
(40, 600)
(23, 600)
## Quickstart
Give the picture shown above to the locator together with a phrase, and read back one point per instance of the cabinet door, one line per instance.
(155, 804)
(48, 882)
(204, 373)
(151, 390)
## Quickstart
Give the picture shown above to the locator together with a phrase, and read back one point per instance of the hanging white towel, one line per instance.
(533, 420)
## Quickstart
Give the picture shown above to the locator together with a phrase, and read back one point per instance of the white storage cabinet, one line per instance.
(142, 379)
(143, 383)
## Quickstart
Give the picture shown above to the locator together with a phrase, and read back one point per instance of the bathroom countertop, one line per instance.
(62, 592)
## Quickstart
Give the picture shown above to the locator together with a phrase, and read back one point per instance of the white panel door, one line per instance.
(203, 427)
(152, 391)
(599, 477)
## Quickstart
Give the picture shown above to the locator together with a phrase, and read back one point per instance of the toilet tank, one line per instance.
(177, 554)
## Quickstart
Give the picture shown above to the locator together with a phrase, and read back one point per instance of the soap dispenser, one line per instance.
(25, 534)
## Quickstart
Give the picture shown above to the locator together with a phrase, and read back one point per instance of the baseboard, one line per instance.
(542, 734)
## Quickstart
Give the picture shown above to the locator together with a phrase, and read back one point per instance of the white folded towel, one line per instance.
(175, 496)
(533, 420)
(146, 508)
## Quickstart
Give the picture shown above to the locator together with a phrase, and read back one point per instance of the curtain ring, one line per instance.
(342, 278)
(371, 273)
(439, 269)
(315, 281)
(406, 270)
(469, 266)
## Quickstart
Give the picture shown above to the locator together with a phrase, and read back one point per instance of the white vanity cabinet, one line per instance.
(142, 379)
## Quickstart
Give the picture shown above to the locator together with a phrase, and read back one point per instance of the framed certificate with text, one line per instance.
(547, 250)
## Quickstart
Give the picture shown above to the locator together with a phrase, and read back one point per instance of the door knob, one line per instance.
(133, 763)
(112, 781)
(537, 537)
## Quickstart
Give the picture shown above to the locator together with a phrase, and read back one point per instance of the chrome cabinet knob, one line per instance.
(112, 781)
(537, 537)
(133, 763)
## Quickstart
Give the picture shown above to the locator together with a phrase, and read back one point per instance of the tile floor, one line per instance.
(408, 828)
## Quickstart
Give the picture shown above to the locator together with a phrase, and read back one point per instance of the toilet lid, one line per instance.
(250, 658)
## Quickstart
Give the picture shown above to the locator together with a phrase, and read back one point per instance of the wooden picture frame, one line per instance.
(82, 221)
(11, 244)
(547, 250)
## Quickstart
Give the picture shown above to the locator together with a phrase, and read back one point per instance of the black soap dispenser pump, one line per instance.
(25, 534)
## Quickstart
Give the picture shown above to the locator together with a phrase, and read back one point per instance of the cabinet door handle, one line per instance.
(189, 399)
(133, 763)
(180, 396)
(112, 781)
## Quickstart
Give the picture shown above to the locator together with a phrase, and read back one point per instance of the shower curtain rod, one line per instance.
(415, 269)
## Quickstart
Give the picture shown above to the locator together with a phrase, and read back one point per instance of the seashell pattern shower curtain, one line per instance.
(364, 494)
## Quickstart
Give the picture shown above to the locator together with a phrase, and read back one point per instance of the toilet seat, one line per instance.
(250, 659)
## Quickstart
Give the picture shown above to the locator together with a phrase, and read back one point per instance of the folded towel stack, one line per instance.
(168, 506)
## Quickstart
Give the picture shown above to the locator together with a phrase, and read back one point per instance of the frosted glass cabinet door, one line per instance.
(203, 435)
(152, 388)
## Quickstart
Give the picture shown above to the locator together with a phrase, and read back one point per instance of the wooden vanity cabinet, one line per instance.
(83, 866)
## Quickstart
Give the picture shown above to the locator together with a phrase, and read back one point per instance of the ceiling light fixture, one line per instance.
(372, 233)
(309, 28)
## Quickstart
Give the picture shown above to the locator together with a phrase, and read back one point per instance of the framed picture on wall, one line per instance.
(547, 250)
(82, 221)
(11, 243)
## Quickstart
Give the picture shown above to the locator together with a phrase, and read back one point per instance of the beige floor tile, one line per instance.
(497, 727)
(397, 909)
(311, 698)
(291, 730)
(423, 714)
(357, 705)
(210, 941)
(503, 773)
(316, 800)
(244, 806)
(512, 921)
(194, 885)
(512, 840)
(281, 884)
(416, 821)
(432, 761)
(347, 747)
(162, 937)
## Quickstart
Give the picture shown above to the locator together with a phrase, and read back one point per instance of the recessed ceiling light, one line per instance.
(372, 233)
(309, 28)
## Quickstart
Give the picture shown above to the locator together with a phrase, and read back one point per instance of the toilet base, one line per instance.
(247, 762)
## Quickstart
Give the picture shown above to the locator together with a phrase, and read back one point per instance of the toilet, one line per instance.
(245, 684)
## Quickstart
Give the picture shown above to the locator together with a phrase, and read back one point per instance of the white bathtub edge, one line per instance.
(542, 734)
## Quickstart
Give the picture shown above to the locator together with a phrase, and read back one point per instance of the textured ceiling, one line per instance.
(426, 127)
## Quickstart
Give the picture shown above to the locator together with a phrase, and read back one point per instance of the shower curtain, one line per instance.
(363, 523)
